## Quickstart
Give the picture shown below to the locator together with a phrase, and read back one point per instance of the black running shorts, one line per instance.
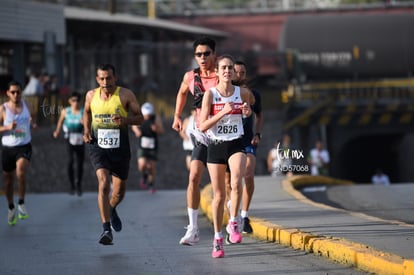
(199, 153)
(219, 152)
(117, 164)
(11, 154)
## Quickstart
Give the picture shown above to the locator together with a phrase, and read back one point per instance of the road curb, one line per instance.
(339, 250)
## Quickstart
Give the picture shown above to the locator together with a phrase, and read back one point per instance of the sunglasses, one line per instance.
(74, 100)
(15, 92)
(205, 54)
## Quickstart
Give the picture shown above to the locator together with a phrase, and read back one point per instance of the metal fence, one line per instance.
(141, 67)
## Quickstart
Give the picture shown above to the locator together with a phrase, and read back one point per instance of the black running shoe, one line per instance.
(115, 221)
(247, 228)
(106, 238)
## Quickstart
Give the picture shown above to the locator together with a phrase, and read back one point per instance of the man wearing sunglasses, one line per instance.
(15, 123)
(196, 82)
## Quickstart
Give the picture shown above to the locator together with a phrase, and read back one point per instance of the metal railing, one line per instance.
(342, 93)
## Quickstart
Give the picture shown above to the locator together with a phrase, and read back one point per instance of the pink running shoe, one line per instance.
(234, 235)
(218, 251)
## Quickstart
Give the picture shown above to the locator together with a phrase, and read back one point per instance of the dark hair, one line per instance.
(106, 67)
(205, 41)
(241, 63)
(75, 94)
(239, 82)
(224, 56)
(14, 83)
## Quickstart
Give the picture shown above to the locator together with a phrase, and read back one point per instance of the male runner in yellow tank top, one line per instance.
(106, 123)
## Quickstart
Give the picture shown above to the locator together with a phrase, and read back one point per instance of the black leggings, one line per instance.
(78, 152)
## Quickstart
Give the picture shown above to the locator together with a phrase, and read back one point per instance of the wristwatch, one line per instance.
(259, 135)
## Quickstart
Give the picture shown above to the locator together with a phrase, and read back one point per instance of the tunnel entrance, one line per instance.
(358, 158)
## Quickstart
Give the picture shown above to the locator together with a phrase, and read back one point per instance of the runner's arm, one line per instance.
(2, 119)
(180, 102)
(136, 130)
(134, 109)
(87, 117)
(159, 126)
(183, 134)
(59, 123)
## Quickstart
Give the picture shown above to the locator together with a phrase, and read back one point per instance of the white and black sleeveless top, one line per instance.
(230, 126)
(21, 134)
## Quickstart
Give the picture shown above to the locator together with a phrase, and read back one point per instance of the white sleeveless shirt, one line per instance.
(21, 134)
(188, 144)
(230, 126)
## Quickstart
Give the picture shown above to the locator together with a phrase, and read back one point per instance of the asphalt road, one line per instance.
(60, 237)
(394, 203)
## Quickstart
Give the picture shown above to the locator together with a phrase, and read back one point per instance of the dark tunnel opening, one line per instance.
(359, 158)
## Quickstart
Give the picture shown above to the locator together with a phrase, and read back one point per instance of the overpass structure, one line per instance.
(344, 76)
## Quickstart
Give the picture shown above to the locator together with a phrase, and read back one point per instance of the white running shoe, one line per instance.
(191, 237)
(22, 211)
(11, 217)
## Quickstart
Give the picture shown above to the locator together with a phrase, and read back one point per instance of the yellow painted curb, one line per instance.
(342, 251)
(205, 201)
(408, 267)
(264, 230)
(358, 255)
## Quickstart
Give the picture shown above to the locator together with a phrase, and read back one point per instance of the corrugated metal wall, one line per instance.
(29, 21)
